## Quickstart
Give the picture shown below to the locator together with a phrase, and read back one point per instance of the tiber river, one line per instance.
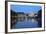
(26, 23)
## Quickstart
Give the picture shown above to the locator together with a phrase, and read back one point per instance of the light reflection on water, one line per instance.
(30, 23)
(34, 21)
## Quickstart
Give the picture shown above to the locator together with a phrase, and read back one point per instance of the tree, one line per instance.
(39, 18)
(13, 18)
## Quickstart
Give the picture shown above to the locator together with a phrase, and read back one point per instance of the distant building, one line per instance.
(31, 14)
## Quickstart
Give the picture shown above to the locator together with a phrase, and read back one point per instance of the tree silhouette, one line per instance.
(39, 18)
(13, 18)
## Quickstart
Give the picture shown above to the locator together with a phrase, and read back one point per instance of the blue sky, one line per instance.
(25, 8)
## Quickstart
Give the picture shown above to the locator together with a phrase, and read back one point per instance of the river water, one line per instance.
(30, 23)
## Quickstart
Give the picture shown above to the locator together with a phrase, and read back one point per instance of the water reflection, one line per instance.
(26, 23)
(20, 19)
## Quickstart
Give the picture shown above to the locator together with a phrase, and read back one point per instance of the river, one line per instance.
(30, 23)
